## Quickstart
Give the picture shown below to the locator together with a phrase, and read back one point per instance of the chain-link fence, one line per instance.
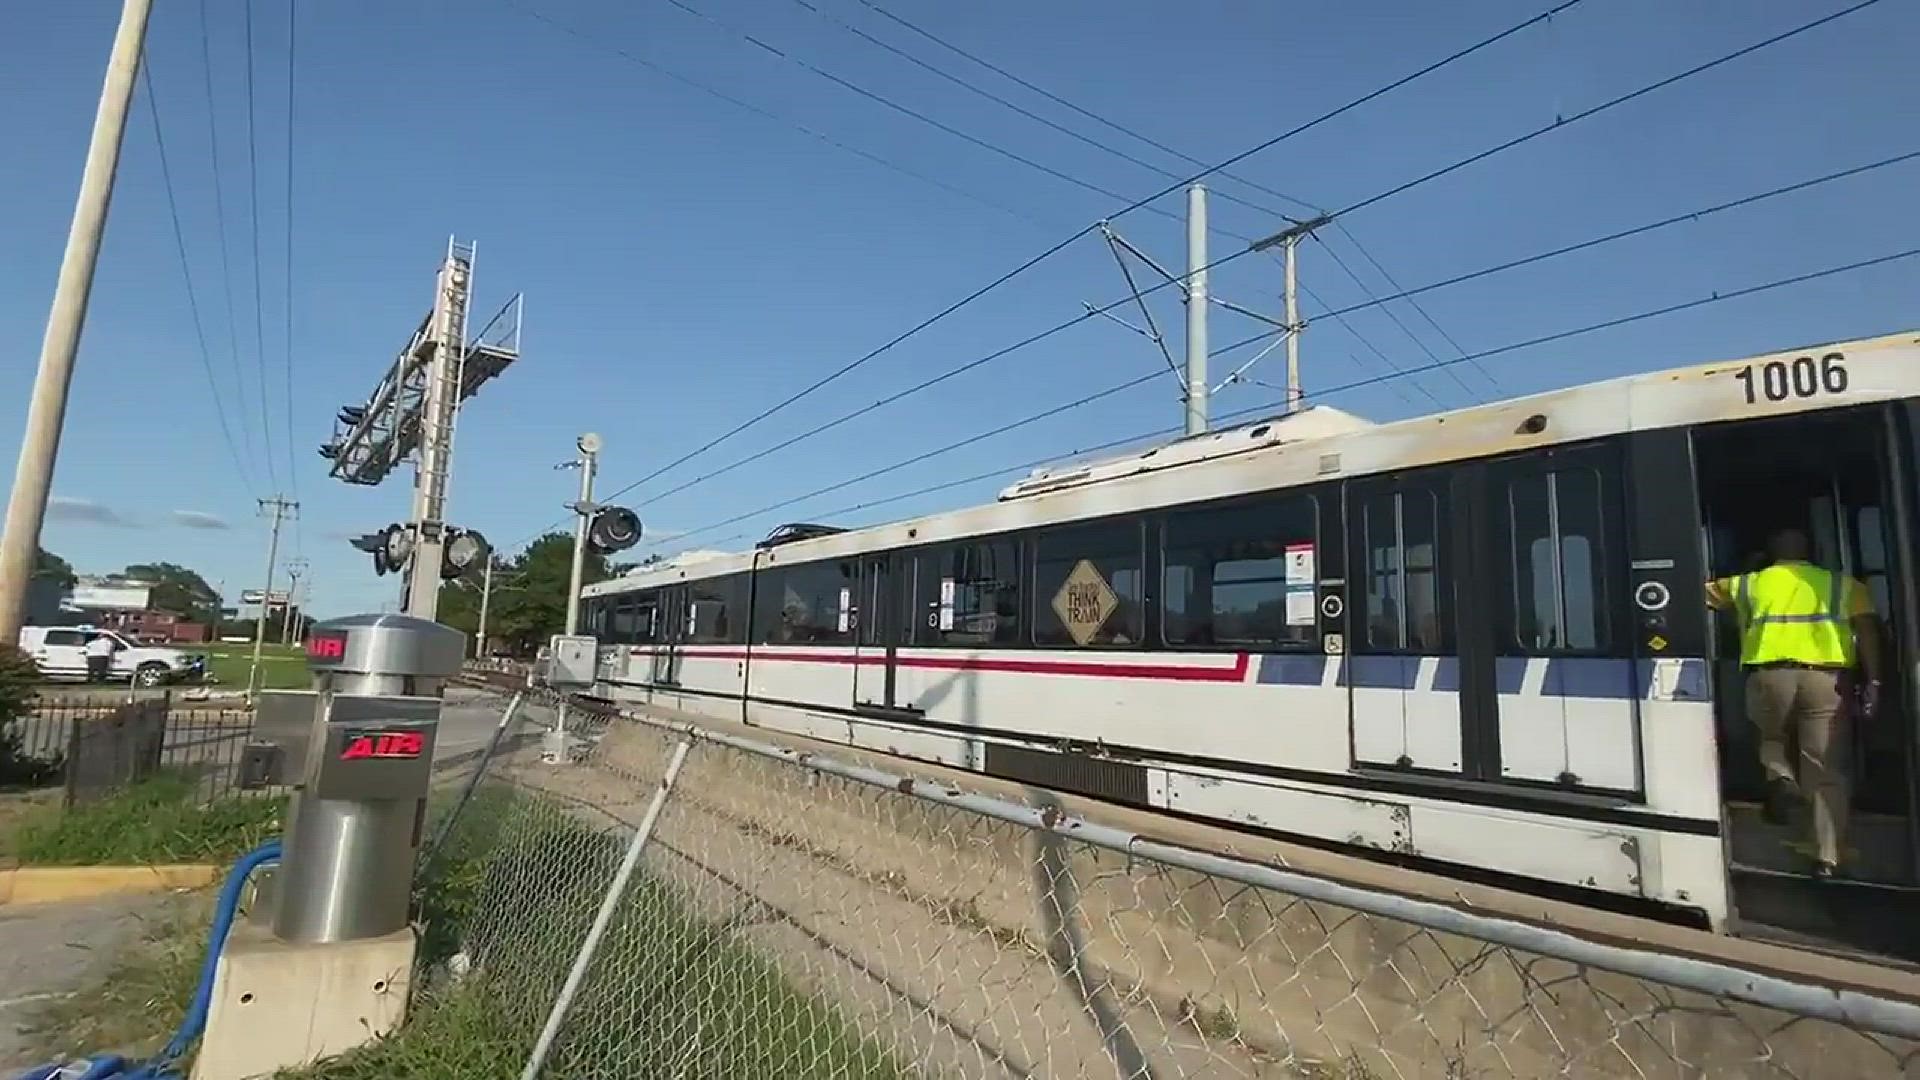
(791, 915)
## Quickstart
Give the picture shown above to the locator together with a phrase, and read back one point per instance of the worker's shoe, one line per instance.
(1782, 798)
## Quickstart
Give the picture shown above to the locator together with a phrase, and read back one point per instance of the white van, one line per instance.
(60, 652)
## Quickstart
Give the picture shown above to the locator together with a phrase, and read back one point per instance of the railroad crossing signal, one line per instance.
(391, 547)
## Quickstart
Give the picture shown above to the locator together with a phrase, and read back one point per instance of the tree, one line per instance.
(178, 589)
(53, 568)
(529, 602)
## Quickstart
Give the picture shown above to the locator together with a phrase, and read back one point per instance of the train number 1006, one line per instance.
(1784, 380)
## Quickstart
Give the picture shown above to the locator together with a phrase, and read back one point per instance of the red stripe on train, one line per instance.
(1088, 668)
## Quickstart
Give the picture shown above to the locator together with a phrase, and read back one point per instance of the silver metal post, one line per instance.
(279, 508)
(1294, 394)
(583, 510)
(486, 597)
(1196, 290)
(47, 409)
(604, 917)
(448, 348)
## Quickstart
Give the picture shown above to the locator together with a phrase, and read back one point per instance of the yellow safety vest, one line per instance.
(1795, 612)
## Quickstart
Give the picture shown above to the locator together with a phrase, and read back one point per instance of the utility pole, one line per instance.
(1288, 240)
(47, 409)
(448, 329)
(279, 508)
(1196, 290)
(296, 568)
(588, 463)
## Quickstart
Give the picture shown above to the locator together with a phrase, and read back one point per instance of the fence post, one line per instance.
(473, 782)
(604, 917)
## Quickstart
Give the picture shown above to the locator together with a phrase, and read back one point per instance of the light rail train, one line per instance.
(1475, 641)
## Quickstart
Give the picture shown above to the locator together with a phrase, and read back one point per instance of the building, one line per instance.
(126, 607)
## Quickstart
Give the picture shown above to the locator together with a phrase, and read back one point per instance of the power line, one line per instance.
(1419, 308)
(1392, 316)
(1028, 113)
(1298, 129)
(1157, 145)
(253, 211)
(1093, 312)
(1399, 189)
(767, 114)
(1269, 406)
(1621, 234)
(220, 227)
(1608, 238)
(1095, 117)
(1595, 110)
(186, 274)
(293, 469)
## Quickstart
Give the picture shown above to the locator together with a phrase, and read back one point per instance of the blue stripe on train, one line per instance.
(1566, 676)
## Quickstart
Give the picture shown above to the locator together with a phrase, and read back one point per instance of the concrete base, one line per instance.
(277, 1005)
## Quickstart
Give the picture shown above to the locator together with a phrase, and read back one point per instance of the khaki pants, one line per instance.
(1809, 703)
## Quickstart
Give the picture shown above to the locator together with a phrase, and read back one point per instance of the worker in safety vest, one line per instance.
(1802, 629)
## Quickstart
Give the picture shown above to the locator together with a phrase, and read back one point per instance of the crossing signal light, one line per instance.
(465, 551)
(390, 548)
(613, 528)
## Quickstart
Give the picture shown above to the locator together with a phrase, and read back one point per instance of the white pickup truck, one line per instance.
(60, 652)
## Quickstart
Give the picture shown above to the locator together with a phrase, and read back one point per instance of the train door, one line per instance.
(1550, 687)
(1403, 665)
(1846, 478)
(877, 616)
(1488, 639)
(669, 622)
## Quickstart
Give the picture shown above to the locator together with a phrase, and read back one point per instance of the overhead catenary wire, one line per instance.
(220, 229)
(186, 275)
(1089, 114)
(647, 63)
(1310, 207)
(293, 19)
(1093, 312)
(253, 216)
(1268, 407)
(980, 91)
(1298, 129)
(1608, 238)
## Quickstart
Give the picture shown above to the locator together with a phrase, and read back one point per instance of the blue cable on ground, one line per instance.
(160, 1066)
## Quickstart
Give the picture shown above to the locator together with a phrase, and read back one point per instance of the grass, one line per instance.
(281, 668)
(140, 1003)
(670, 993)
(633, 1015)
(159, 820)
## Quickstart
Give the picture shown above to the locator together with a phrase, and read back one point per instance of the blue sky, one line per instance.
(687, 262)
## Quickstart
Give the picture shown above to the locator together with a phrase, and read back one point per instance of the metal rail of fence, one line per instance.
(684, 901)
(92, 744)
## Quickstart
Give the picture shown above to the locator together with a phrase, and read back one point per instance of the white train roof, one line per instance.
(1322, 443)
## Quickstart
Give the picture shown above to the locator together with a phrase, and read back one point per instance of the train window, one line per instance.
(972, 594)
(1401, 535)
(807, 604)
(1226, 574)
(632, 620)
(1559, 569)
(1088, 586)
(713, 609)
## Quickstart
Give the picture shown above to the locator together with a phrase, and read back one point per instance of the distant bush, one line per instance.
(18, 679)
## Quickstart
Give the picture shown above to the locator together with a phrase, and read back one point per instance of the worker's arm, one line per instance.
(1720, 593)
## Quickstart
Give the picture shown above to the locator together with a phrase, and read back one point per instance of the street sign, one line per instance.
(254, 596)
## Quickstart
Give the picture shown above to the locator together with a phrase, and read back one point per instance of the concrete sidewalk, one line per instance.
(53, 950)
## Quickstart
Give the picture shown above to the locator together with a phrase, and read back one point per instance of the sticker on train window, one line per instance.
(1790, 380)
(1085, 602)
